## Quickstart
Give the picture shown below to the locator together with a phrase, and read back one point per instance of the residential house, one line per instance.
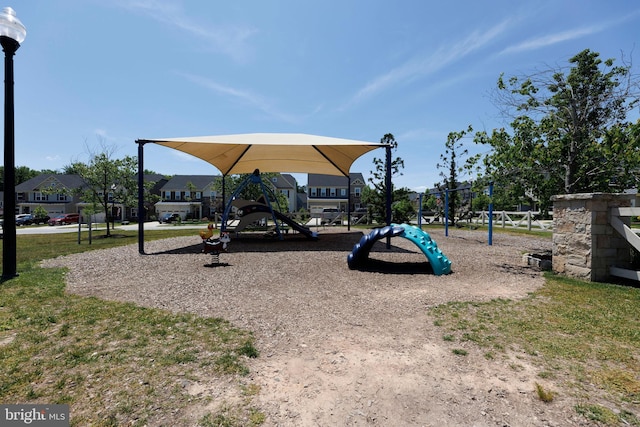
(287, 185)
(191, 196)
(53, 192)
(57, 194)
(331, 192)
(119, 211)
(131, 212)
(301, 200)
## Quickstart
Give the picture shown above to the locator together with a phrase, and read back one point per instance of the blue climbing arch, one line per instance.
(360, 253)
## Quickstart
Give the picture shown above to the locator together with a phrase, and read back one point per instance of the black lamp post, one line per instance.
(12, 33)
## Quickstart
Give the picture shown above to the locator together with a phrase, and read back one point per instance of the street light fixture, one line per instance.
(12, 33)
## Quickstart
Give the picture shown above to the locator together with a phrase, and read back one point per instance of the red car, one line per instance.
(63, 219)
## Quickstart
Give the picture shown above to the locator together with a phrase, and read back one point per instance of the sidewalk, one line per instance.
(73, 228)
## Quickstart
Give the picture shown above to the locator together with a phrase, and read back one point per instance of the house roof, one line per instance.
(155, 177)
(321, 180)
(284, 180)
(200, 182)
(45, 180)
(272, 152)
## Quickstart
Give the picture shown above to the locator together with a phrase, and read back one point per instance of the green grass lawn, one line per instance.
(113, 363)
(585, 336)
(120, 364)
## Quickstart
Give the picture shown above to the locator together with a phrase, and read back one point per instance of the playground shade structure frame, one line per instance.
(268, 152)
(272, 152)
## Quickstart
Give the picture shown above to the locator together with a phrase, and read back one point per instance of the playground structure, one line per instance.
(270, 152)
(214, 246)
(360, 253)
(252, 211)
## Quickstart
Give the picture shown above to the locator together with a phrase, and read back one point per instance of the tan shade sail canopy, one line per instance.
(272, 152)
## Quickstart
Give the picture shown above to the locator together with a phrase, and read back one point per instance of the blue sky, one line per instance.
(94, 72)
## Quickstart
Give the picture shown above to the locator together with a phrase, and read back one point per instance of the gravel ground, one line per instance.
(340, 346)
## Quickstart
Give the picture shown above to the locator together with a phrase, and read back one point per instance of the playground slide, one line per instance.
(360, 253)
(298, 227)
(248, 215)
(246, 220)
(255, 211)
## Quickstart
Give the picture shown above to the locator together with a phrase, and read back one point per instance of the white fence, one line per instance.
(629, 234)
(515, 219)
(504, 219)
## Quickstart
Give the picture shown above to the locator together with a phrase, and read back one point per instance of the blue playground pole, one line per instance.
(446, 212)
(420, 210)
(491, 213)
(388, 185)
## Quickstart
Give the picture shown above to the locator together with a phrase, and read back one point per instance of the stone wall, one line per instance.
(585, 245)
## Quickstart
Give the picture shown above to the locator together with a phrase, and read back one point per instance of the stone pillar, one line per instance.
(585, 245)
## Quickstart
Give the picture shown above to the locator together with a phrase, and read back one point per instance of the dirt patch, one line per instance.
(347, 347)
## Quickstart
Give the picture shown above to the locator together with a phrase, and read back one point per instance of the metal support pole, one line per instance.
(490, 213)
(420, 210)
(446, 212)
(141, 210)
(349, 202)
(223, 225)
(9, 269)
(80, 227)
(389, 191)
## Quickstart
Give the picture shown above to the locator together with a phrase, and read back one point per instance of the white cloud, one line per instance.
(419, 66)
(552, 39)
(229, 39)
(101, 133)
(243, 96)
(572, 34)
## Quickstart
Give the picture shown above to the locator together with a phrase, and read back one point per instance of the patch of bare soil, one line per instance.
(347, 347)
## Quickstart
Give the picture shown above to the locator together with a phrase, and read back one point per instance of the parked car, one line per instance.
(169, 218)
(358, 213)
(41, 219)
(24, 219)
(63, 219)
(329, 215)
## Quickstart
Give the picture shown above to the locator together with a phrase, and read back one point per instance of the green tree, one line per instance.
(375, 203)
(481, 202)
(430, 203)
(72, 168)
(569, 130)
(22, 174)
(40, 212)
(402, 210)
(191, 188)
(454, 162)
(376, 198)
(107, 179)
